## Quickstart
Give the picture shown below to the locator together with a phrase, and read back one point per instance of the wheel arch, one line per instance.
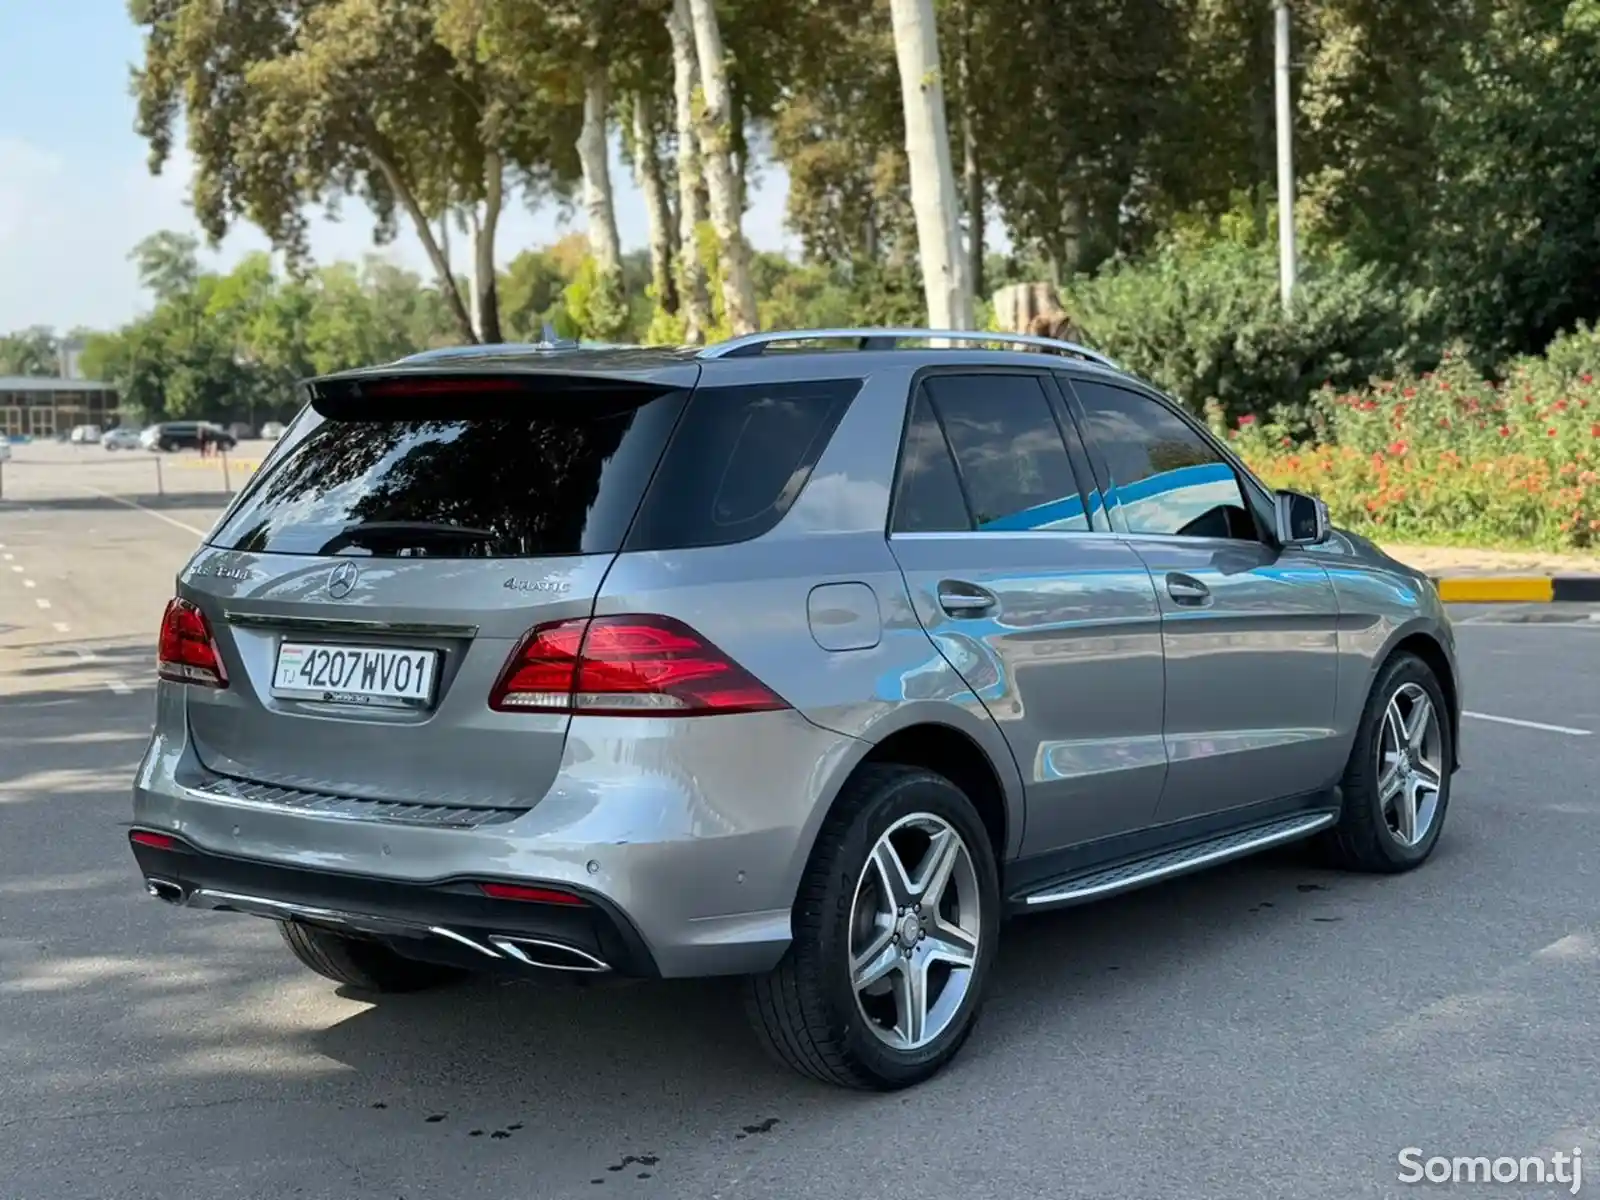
(964, 747)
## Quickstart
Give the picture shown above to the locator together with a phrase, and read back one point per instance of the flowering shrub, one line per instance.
(1452, 457)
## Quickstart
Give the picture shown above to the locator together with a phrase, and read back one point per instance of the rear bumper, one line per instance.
(687, 839)
(451, 921)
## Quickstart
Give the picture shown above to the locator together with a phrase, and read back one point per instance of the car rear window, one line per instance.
(738, 461)
(512, 476)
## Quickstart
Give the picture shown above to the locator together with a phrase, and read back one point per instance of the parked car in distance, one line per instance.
(185, 435)
(240, 432)
(84, 435)
(272, 431)
(120, 438)
(806, 666)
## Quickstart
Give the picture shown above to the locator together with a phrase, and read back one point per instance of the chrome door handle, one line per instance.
(1186, 590)
(964, 599)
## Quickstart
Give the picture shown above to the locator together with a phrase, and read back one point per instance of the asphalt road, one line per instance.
(1266, 1030)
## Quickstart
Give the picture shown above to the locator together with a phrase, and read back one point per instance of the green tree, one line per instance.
(33, 351)
(402, 103)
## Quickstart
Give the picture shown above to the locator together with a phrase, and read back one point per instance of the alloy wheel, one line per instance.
(1410, 764)
(914, 931)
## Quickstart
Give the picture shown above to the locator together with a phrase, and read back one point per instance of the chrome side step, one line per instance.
(1168, 864)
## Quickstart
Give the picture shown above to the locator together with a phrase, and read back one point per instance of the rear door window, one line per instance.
(738, 461)
(928, 497)
(464, 476)
(1009, 452)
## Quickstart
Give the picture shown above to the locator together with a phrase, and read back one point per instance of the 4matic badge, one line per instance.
(537, 585)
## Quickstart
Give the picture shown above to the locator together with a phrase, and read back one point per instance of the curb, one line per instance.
(1507, 589)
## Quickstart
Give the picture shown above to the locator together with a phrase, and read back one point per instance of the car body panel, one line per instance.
(1252, 677)
(1068, 663)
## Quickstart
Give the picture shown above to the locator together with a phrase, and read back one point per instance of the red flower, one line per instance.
(1561, 406)
(1247, 419)
(1505, 431)
(1444, 422)
(1594, 430)
(1553, 431)
(1398, 448)
(1409, 393)
(1588, 379)
(1288, 441)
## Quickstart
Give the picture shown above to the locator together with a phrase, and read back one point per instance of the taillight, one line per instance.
(643, 666)
(188, 652)
(155, 841)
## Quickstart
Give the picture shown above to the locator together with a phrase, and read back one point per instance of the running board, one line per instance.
(1168, 864)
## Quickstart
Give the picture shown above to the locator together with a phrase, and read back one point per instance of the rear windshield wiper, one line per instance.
(404, 532)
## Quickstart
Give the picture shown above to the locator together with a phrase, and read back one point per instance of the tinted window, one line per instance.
(1165, 477)
(928, 495)
(738, 461)
(459, 477)
(1009, 452)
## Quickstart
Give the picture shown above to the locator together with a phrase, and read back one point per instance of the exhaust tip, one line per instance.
(550, 956)
(164, 889)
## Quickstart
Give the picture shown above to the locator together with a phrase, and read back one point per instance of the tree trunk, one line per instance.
(658, 212)
(715, 141)
(598, 202)
(971, 170)
(484, 279)
(933, 181)
(691, 200)
(441, 265)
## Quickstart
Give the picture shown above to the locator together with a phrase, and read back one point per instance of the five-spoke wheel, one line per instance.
(894, 933)
(914, 930)
(1397, 783)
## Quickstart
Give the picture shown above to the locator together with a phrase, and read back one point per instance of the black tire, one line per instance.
(1363, 839)
(804, 1011)
(368, 966)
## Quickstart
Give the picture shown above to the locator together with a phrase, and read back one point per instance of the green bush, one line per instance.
(1206, 324)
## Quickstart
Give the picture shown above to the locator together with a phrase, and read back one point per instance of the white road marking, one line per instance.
(1521, 724)
(9, 557)
(63, 627)
(85, 654)
(18, 570)
(120, 688)
(149, 512)
(29, 583)
(42, 602)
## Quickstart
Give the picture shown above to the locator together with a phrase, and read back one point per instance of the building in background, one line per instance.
(41, 407)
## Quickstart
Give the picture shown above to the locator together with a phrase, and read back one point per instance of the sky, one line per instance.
(76, 193)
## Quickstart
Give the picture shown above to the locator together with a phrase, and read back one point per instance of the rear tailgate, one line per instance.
(367, 589)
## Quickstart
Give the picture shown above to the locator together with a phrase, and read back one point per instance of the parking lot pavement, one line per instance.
(1266, 1030)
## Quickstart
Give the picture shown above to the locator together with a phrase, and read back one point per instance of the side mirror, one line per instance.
(1302, 520)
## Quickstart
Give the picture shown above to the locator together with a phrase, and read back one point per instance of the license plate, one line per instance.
(355, 674)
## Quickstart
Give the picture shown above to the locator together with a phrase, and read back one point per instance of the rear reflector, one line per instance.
(187, 652)
(156, 841)
(530, 895)
(637, 666)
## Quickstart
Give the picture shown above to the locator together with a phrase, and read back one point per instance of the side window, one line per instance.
(737, 462)
(928, 495)
(1165, 477)
(1009, 452)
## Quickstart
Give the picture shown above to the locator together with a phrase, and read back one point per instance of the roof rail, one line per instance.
(754, 344)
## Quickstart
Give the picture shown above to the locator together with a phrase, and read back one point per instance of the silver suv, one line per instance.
(808, 657)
